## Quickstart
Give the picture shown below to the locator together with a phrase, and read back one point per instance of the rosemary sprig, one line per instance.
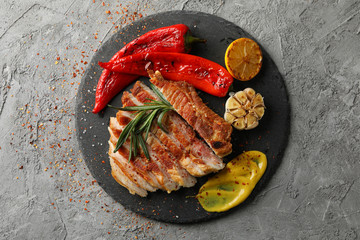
(138, 128)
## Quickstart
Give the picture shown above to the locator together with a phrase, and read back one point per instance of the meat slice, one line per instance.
(210, 126)
(123, 180)
(192, 153)
(159, 152)
(129, 173)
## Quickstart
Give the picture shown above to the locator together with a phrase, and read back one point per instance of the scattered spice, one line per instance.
(52, 137)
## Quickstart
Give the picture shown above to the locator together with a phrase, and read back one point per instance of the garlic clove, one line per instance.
(241, 97)
(229, 117)
(239, 123)
(258, 100)
(232, 103)
(259, 111)
(251, 121)
(238, 112)
(250, 93)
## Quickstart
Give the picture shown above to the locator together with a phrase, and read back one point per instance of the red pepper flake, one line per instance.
(52, 203)
(70, 199)
(87, 201)
(103, 3)
(219, 194)
(108, 12)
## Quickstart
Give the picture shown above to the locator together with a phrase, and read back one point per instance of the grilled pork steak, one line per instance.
(176, 156)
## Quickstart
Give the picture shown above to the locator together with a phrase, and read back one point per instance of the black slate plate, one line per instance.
(270, 136)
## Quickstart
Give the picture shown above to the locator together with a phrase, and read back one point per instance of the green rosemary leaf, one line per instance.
(160, 118)
(123, 136)
(144, 122)
(127, 130)
(141, 108)
(131, 146)
(155, 102)
(143, 146)
(148, 127)
(159, 94)
(136, 144)
(114, 107)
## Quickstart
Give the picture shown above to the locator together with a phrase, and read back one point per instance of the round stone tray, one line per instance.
(270, 136)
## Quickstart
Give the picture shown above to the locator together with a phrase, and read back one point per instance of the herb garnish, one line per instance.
(145, 115)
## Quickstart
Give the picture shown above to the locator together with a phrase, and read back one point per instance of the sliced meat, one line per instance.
(175, 155)
(160, 153)
(210, 126)
(144, 165)
(192, 153)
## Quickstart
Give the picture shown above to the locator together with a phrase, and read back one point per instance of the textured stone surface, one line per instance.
(46, 191)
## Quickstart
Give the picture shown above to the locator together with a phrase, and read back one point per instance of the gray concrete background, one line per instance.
(46, 191)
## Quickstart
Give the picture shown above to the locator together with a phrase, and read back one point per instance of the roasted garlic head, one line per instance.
(244, 109)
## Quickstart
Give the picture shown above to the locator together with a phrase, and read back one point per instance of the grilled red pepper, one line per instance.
(175, 38)
(204, 74)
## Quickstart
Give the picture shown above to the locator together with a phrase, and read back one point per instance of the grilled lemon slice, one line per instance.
(243, 59)
(244, 109)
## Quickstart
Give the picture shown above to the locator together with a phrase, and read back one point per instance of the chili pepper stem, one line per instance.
(190, 40)
(196, 40)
